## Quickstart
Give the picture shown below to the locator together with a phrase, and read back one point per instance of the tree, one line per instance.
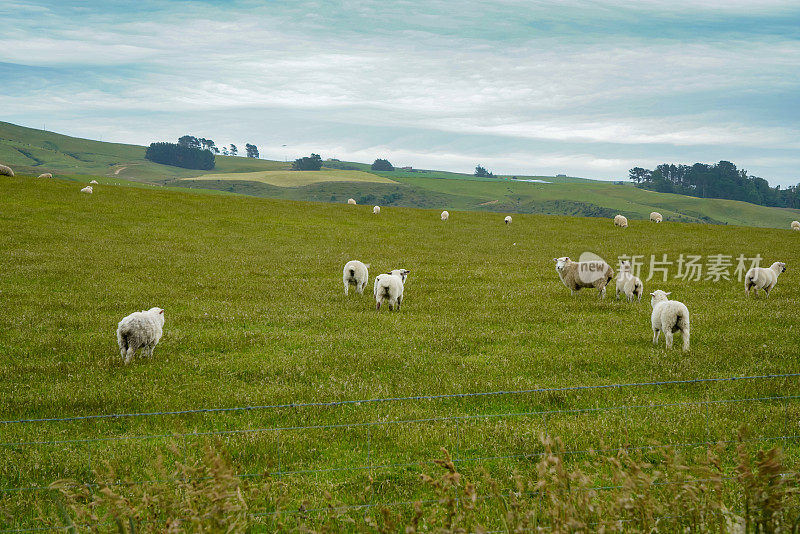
(208, 144)
(180, 156)
(232, 150)
(381, 165)
(638, 174)
(312, 163)
(224, 151)
(189, 141)
(252, 150)
(482, 172)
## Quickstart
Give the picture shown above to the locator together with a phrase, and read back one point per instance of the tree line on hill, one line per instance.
(192, 152)
(719, 180)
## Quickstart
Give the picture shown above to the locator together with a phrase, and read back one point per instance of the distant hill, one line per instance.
(31, 151)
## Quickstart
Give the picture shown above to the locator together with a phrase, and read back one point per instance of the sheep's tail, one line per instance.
(385, 292)
(352, 272)
(682, 320)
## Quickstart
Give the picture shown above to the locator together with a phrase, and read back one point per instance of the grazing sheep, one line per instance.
(621, 221)
(140, 330)
(763, 278)
(669, 316)
(87, 189)
(795, 225)
(445, 215)
(351, 201)
(93, 182)
(376, 210)
(578, 274)
(508, 219)
(6, 171)
(656, 217)
(357, 274)
(46, 175)
(388, 288)
(628, 284)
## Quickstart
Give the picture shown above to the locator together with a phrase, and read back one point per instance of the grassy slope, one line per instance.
(287, 178)
(255, 315)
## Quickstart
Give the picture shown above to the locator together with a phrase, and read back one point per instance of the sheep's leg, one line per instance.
(361, 290)
(129, 354)
(399, 300)
(656, 333)
(668, 338)
(685, 341)
(603, 292)
(346, 288)
(378, 305)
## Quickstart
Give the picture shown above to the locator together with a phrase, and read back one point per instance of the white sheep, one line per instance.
(87, 189)
(140, 330)
(46, 175)
(508, 219)
(669, 316)
(376, 210)
(445, 215)
(357, 274)
(6, 171)
(628, 284)
(351, 201)
(621, 221)
(763, 278)
(93, 182)
(795, 225)
(578, 274)
(389, 288)
(656, 217)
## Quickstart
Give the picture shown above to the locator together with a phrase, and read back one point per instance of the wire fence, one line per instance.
(384, 443)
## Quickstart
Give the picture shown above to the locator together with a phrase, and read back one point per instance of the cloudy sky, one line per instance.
(587, 88)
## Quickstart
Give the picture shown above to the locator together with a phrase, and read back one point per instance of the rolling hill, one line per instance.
(32, 151)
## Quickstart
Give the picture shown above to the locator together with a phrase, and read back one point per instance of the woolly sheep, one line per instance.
(46, 175)
(795, 225)
(445, 215)
(669, 316)
(576, 275)
(656, 217)
(628, 284)
(389, 288)
(93, 182)
(621, 221)
(140, 330)
(87, 189)
(508, 219)
(351, 201)
(376, 210)
(763, 278)
(357, 274)
(6, 171)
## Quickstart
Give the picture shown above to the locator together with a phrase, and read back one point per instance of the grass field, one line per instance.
(255, 315)
(297, 178)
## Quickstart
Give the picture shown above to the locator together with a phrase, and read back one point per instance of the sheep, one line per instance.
(669, 316)
(795, 225)
(388, 288)
(140, 330)
(376, 210)
(508, 219)
(46, 175)
(87, 189)
(357, 274)
(628, 284)
(621, 221)
(445, 215)
(351, 201)
(763, 278)
(93, 182)
(576, 275)
(656, 217)
(6, 171)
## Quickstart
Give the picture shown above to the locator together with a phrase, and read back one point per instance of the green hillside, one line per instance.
(36, 151)
(255, 315)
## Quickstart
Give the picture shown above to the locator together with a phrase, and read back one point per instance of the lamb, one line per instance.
(445, 215)
(376, 210)
(357, 274)
(508, 219)
(629, 284)
(351, 201)
(87, 189)
(576, 275)
(93, 182)
(795, 225)
(621, 221)
(669, 316)
(388, 288)
(656, 217)
(140, 330)
(6, 171)
(46, 175)
(763, 278)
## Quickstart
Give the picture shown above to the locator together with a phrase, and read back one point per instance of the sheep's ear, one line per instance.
(555, 260)
(652, 294)
(668, 294)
